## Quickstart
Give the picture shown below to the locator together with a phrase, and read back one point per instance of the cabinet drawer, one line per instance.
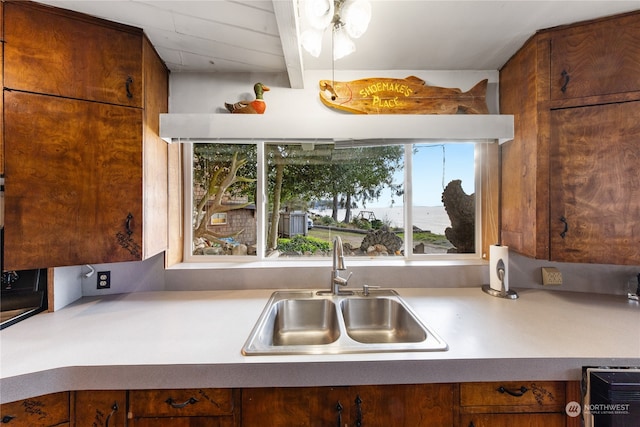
(513, 396)
(184, 422)
(55, 52)
(513, 420)
(41, 411)
(596, 59)
(180, 403)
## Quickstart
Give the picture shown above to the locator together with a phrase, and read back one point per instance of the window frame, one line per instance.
(486, 230)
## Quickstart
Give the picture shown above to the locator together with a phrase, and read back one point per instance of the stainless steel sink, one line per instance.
(304, 322)
(309, 322)
(381, 320)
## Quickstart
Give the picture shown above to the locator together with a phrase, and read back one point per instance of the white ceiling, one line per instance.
(261, 36)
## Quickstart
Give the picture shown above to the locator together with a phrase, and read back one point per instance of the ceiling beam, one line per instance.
(286, 12)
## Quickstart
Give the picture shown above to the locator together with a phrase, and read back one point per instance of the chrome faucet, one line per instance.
(338, 265)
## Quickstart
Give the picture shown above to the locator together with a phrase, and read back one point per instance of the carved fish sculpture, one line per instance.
(402, 96)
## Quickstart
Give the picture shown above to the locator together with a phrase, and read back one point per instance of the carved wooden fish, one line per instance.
(402, 96)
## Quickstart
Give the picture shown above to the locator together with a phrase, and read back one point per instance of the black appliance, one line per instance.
(22, 293)
(615, 398)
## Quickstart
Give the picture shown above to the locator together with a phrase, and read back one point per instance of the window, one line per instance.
(219, 218)
(274, 201)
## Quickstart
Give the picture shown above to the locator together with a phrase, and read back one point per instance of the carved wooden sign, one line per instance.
(402, 96)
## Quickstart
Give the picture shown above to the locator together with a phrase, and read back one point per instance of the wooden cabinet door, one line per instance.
(370, 406)
(595, 184)
(100, 408)
(404, 405)
(42, 411)
(73, 182)
(599, 58)
(53, 51)
(513, 420)
(281, 406)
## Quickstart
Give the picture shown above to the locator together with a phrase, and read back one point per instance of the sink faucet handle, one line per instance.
(342, 281)
(366, 288)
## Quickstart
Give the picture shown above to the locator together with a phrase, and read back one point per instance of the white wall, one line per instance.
(207, 92)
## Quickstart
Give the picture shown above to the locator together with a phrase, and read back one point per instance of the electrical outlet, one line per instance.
(104, 279)
(551, 276)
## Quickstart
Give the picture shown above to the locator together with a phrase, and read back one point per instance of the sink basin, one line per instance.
(304, 322)
(380, 320)
(310, 322)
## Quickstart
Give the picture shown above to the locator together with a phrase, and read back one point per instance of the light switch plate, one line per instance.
(551, 276)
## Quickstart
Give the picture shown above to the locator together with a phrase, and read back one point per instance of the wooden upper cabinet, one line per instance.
(73, 182)
(525, 168)
(595, 184)
(156, 151)
(599, 58)
(1, 85)
(572, 157)
(85, 168)
(57, 52)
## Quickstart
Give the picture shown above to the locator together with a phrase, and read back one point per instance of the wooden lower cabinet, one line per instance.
(43, 411)
(513, 404)
(99, 408)
(184, 408)
(370, 406)
(184, 422)
(513, 420)
(486, 404)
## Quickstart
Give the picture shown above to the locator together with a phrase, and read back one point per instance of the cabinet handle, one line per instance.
(7, 419)
(339, 409)
(114, 409)
(515, 393)
(566, 227)
(358, 402)
(566, 77)
(191, 401)
(128, 84)
(128, 225)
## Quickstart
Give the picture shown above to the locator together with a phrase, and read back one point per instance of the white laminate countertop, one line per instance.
(192, 339)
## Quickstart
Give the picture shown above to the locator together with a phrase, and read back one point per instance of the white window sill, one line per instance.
(327, 263)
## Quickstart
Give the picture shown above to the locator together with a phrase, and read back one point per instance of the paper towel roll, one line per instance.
(498, 257)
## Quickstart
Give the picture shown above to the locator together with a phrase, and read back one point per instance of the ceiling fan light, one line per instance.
(356, 15)
(311, 41)
(342, 44)
(319, 13)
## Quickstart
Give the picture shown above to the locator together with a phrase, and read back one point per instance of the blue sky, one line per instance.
(428, 170)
